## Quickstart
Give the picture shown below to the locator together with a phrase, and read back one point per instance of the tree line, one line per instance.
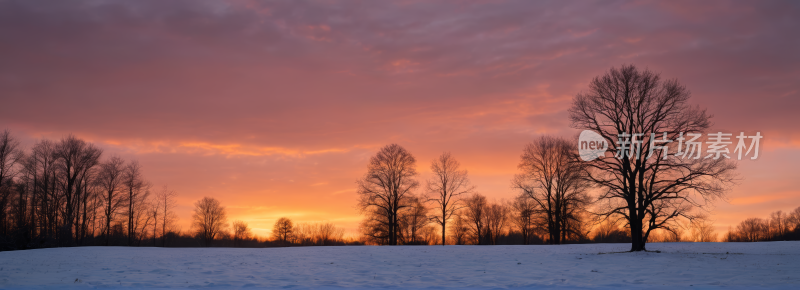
(67, 193)
(211, 228)
(64, 193)
(779, 226)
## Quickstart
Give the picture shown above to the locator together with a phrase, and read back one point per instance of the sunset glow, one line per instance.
(274, 108)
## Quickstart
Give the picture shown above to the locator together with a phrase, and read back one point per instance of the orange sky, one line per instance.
(274, 109)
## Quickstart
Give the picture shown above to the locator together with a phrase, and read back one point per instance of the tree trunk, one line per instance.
(443, 232)
(636, 232)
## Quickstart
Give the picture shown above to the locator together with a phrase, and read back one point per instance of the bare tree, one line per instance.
(282, 230)
(10, 157)
(137, 190)
(459, 230)
(165, 200)
(521, 215)
(446, 186)
(42, 170)
(475, 213)
(496, 217)
(241, 232)
(554, 178)
(778, 225)
(702, 230)
(382, 191)
(650, 193)
(793, 220)
(74, 157)
(411, 221)
(753, 230)
(110, 180)
(608, 231)
(153, 211)
(303, 233)
(209, 219)
(328, 232)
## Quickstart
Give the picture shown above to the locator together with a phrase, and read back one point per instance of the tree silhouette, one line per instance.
(383, 190)
(653, 192)
(448, 184)
(554, 178)
(209, 219)
(282, 230)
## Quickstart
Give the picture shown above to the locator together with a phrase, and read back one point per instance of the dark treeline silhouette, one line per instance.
(66, 193)
(779, 226)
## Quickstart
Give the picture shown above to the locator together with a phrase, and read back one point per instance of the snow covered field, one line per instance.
(679, 265)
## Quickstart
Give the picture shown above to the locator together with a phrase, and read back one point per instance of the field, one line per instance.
(592, 266)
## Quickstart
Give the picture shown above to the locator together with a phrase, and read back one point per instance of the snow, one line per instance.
(773, 265)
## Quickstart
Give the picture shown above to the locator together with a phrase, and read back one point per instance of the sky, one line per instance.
(274, 108)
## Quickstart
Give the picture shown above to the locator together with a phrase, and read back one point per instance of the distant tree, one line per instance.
(153, 211)
(609, 232)
(753, 230)
(209, 219)
(10, 156)
(303, 233)
(328, 233)
(110, 179)
(137, 190)
(74, 157)
(412, 220)
(778, 225)
(459, 230)
(650, 190)
(702, 230)
(793, 220)
(554, 178)
(282, 230)
(428, 235)
(496, 217)
(383, 190)
(448, 184)
(241, 232)
(165, 200)
(475, 213)
(41, 168)
(521, 215)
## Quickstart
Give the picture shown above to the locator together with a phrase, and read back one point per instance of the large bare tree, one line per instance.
(651, 189)
(209, 219)
(383, 190)
(554, 178)
(448, 184)
(110, 180)
(74, 158)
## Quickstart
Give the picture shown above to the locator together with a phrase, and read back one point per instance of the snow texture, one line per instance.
(771, 265)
